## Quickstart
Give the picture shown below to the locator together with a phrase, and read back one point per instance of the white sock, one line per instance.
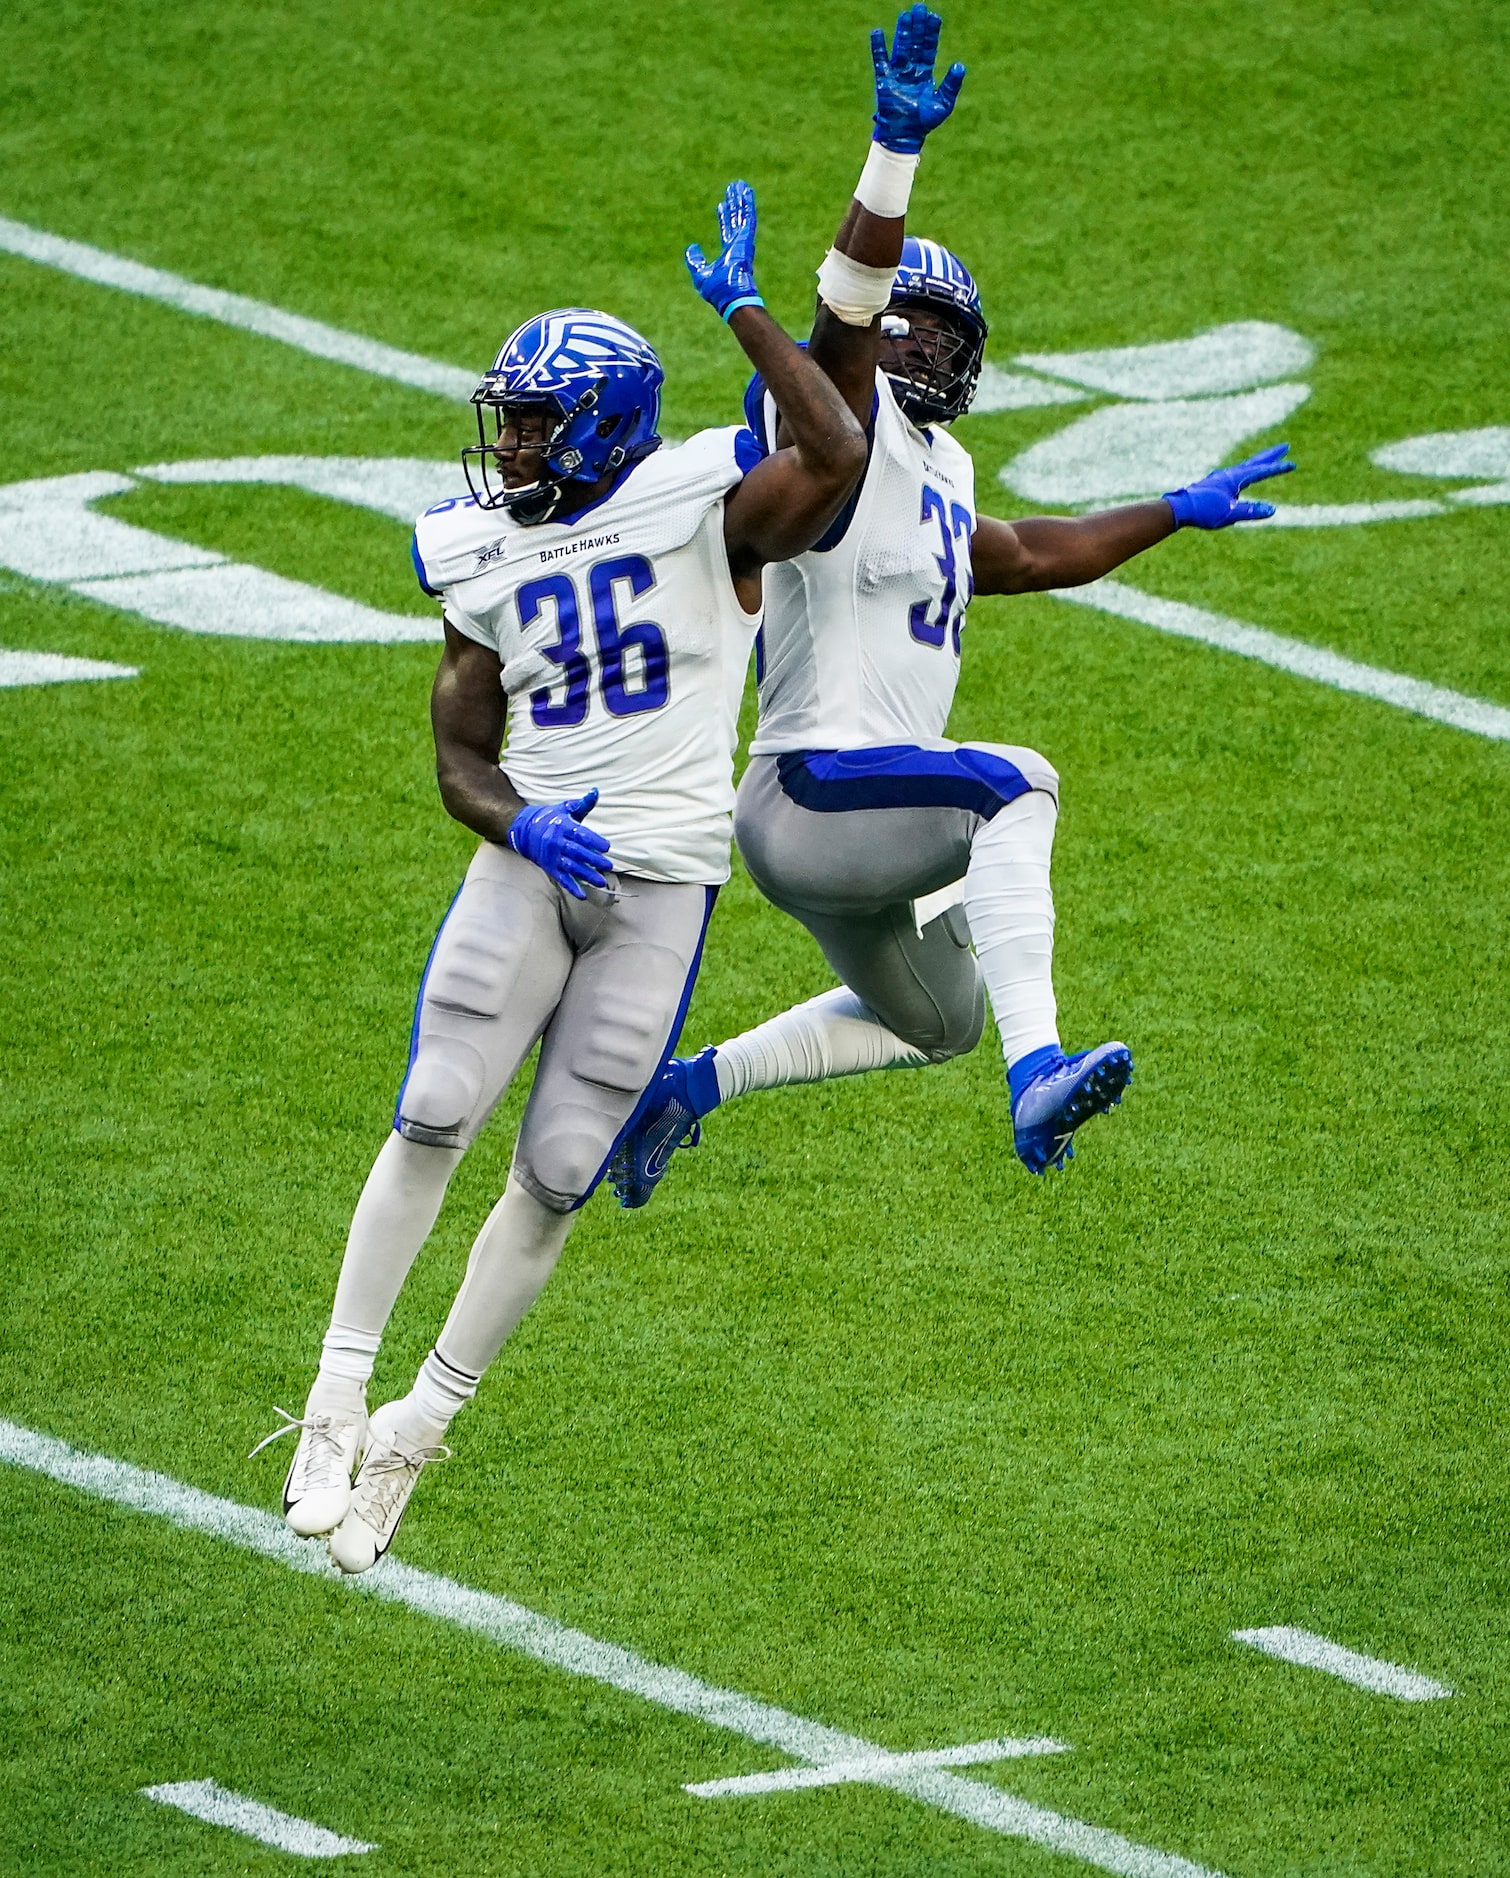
(346, 1359)
(834, 1034)
(440, 1391)
(393, 1218)
(1010, 906)
(512, 1257)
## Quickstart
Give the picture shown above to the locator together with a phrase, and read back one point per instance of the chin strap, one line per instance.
(537, 503)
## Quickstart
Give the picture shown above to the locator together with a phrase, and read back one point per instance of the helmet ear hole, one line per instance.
(607, 426)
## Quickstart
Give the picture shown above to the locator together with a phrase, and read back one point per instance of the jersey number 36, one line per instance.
(613, 642)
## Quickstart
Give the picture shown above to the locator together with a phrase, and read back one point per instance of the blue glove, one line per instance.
(908, 103)
(551, 835)
(1213, 503)
(729, 282)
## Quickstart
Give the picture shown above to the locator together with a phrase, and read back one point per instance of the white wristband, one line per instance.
(853, 293)
(886, 182)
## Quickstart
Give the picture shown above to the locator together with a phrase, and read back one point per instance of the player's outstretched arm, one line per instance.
(1052, 551)
(855, 280)
(467, 714)
(789, 498)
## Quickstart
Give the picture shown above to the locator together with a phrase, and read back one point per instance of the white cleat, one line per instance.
(317, 1492)
(382, 1490)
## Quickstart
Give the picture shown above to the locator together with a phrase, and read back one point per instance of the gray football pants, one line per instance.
(602, 984)
(851, 877)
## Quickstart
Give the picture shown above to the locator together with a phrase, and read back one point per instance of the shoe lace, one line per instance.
(323, 1461)
(388, 1476)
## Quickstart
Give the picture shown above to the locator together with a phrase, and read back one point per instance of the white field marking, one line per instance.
(1364, 1672)
(545, 1641)
(1457, 453)
(1484, 496)
(1014, 391)
(53, 668)
(873, 1769)
(1126, 450)
(1342, 514)
(234, 309)
(204, 1799)
(397, 486)
(1293, 655)
(1466, 454)
(49, 531)
(1228, 358)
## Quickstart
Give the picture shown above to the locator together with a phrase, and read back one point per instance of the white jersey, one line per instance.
(861, 640)
(623, 648)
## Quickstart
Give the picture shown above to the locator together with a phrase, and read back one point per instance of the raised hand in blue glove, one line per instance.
(552, 836)
(1213, 501)
(728, 283)
(908, 103)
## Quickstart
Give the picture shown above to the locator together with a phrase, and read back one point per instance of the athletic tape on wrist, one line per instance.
(885, 184)
(853, 293)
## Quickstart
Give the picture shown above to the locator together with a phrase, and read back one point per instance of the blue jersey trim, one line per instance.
(419, 1005)
(419, 567)
(666, 1053)
(900, 776)
(748, 451)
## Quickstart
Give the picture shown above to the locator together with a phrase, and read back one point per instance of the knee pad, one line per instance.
(559, 1152)
(441, 1092)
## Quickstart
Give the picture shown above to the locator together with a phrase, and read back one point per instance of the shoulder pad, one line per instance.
(456, 539)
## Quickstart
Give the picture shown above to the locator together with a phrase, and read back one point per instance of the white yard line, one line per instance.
(234, 309)
(53, 668)
(1293, 655)
(1364, 1672)
(204, 1799)
(546, 1641)
(869, 1769)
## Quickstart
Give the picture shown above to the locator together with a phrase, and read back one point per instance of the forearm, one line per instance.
(855, 280)
(816, 421)
(1059, 552)
(476, 792)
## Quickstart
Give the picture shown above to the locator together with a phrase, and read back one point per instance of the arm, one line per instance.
(784, 504)
(1051, 551)
(789, 498)
(857, 273)
(467, 715)
(846, 335)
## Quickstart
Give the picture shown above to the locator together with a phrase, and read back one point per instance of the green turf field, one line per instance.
(856, 1418)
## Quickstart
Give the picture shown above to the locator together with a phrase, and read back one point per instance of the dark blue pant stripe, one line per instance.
(900, 776)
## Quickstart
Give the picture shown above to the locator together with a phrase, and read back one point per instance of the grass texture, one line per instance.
(856, 1418)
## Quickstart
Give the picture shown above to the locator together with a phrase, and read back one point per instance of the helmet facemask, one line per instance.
(933, 373)
(536, 501)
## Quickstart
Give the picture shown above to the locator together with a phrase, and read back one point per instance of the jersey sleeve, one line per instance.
(450, 542)
(468, 624)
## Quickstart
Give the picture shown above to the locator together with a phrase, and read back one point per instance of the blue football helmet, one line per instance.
(933, 370)
(597, 383)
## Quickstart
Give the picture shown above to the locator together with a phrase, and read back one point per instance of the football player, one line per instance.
(600, 598)
(856, 813)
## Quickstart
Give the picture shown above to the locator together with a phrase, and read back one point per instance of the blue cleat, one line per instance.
(671, 1119)
(1060, 1095)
